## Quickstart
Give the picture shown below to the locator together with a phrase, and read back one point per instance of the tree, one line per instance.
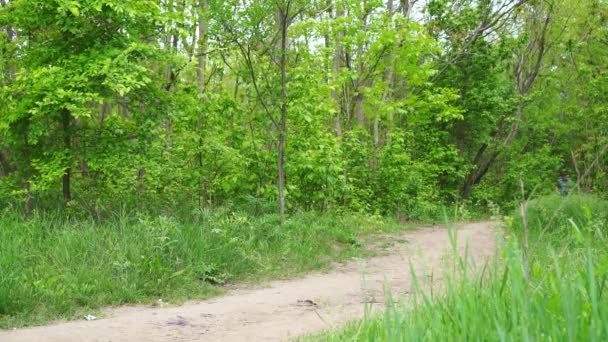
(73, 55)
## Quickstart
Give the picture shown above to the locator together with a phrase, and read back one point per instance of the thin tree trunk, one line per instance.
(202, 45)
(284, 18)
(359, 102)
(235, 96)
(405, 7)
(376, 131)
(390, 81)
(27, 203)
(336, 70)
(10, 35)
(5, 167)
(66, 122)
(200, 77)
(386, 97)
(174, 49)
(338, 54)
(106, 108)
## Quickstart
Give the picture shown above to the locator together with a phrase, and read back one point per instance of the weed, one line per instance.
(565, 297)
(55, 268)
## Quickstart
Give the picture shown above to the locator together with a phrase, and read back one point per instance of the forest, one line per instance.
(281, 127)
(361, 106)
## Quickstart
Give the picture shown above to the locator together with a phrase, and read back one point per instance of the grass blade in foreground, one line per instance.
(566, 301)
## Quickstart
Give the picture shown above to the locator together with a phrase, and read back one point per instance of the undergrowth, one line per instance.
(563, 296)
(57, 268)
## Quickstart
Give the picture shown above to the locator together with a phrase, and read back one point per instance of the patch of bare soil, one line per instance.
(284, 309)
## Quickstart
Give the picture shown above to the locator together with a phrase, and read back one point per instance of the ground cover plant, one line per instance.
(561, 297)
(55, 268)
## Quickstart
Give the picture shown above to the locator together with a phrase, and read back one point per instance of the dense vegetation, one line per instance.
(368, 106)
(554, 290)
(56, 269)
(146, 145)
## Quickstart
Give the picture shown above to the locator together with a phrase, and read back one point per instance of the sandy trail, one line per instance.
(281, 310)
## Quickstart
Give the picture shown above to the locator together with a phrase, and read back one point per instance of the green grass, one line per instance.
(59, 269)
(565, 298)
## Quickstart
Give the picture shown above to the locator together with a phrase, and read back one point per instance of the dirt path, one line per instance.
(282, 310)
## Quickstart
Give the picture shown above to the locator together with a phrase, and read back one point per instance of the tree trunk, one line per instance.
(10, 36)
(27, 203)
(460, 137)
(106, 109)
(202, 45)
(386, 97)
(174, 49)
(526, 69)
(235, 96)
(5, 167)
(284, 18)
(405, 8)
(359, 102)
(376, 131)
(200, 77)
(336, 70)
(66, 122)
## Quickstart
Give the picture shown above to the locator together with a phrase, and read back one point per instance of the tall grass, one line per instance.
(564, 299)
(53, 268)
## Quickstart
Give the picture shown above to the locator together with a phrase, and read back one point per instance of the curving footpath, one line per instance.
(284, 309)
